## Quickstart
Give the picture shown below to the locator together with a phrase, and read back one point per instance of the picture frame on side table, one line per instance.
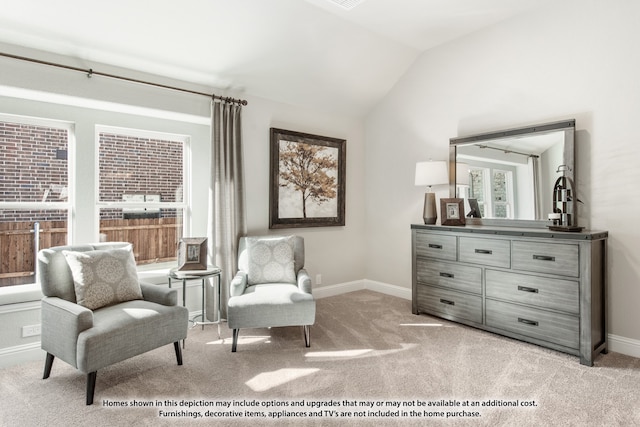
(192, 253)
(452, 211)
(306, 180)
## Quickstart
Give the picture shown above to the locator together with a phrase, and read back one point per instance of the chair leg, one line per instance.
(176, 345)
(91, 386)
(47, 366)
(307, 335)
(234, 344)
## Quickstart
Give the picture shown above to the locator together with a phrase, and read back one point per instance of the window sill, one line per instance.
(20, 293)
(155, 273)
(152, 273)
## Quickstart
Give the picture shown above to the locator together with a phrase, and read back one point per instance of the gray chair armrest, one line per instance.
(159, 294)
(67, 315)
(304, 281)
(62, 322)
(238, 284)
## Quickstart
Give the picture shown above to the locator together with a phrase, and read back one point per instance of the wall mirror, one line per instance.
(507, 177)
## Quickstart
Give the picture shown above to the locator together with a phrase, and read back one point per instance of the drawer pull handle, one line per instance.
(527, 321)
(448, 275)
(484, 251)
(544, 258)
(434, 246)
(446, 301)
(527, 289)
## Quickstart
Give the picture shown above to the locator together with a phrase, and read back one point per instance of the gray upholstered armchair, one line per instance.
(271, 287)
(95, 312)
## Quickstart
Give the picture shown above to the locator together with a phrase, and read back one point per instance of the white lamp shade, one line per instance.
(462, 174)
(432, 173)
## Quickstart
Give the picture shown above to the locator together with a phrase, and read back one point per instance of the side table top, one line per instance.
(174, 273)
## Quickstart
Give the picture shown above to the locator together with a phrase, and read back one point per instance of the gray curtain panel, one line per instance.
(227, 217)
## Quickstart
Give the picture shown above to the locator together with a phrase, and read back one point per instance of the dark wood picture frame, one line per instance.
(306, 180)
(452, 211)
(192, 253)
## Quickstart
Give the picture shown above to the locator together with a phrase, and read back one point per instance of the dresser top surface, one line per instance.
(516, 231)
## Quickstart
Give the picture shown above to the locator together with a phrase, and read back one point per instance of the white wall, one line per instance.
(336, 253)
(578, 59)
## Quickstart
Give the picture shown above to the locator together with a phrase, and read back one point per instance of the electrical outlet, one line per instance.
(318, 279)
(30, 331)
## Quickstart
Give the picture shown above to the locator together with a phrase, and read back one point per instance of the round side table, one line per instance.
(203, 276)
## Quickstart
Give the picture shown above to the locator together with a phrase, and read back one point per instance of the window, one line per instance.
(493, 188)
(477, 188)
(502, 194)
(142, 191)
(35, 192)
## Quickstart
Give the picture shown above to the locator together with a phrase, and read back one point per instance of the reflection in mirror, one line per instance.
(511, 173)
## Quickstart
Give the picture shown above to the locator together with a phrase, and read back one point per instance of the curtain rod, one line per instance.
(507, 151)
(90, 72)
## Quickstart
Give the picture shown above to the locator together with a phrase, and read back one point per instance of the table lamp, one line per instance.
(431, 173)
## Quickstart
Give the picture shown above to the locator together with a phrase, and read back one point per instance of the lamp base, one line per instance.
(429, 214)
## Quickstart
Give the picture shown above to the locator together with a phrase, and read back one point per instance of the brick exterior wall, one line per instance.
(134, 165)
(30, 167)
(33, 163)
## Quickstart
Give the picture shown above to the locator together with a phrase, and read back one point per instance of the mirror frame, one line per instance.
(568, 126)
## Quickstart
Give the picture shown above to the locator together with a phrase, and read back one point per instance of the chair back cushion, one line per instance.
(271, 259)
(54, 274)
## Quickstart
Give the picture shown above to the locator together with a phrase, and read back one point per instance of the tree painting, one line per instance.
(307, 179)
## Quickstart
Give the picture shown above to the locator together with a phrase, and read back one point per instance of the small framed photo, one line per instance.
(452, 211)
(192, 253)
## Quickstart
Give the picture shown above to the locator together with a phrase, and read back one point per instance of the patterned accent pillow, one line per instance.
(104, 277)
(270, 260)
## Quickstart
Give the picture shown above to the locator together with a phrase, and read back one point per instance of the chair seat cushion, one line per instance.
(127, 329)
(272, 304)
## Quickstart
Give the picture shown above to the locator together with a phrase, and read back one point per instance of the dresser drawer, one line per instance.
(556, 294)
(436, 246)
(561, 329)
(552, 258)
(449, 275)
(450, 303)
(492, 252)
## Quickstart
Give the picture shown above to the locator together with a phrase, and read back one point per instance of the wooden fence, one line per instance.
(154, 240)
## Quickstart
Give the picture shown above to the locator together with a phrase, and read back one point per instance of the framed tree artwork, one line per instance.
(307, 180)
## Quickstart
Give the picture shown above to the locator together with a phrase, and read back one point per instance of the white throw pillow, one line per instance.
(104, 277)
(271, 260)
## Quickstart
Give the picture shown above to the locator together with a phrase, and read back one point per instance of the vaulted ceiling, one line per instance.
(311, 53)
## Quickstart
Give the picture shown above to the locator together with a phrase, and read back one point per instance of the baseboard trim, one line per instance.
(359, 285)
(339, 289)
(19, 354)
(29, 352)
(385, 288)
(624, 345)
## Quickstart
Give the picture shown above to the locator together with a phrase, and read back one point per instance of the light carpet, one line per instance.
(367, 349)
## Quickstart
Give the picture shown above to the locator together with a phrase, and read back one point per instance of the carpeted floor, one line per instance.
(371, 362)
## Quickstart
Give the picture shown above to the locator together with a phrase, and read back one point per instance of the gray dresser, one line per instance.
(535, 285)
